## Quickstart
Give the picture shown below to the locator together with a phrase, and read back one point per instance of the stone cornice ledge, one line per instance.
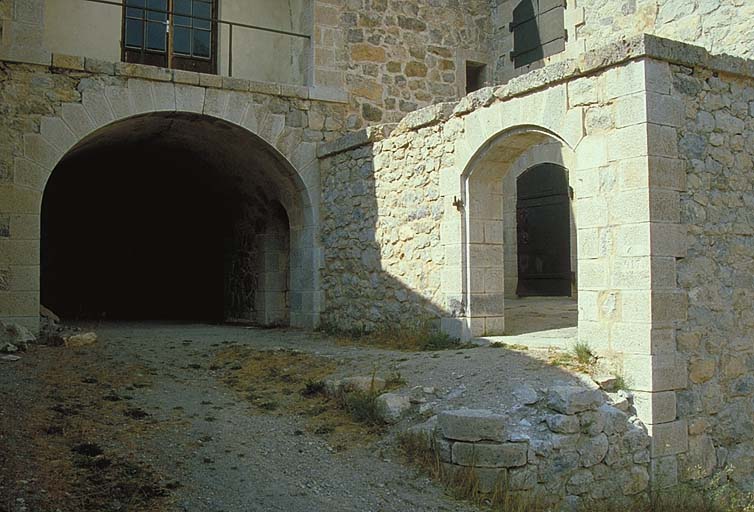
(130, 70)
(620, 51)
(355, 139)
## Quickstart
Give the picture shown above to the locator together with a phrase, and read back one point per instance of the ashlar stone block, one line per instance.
(669, 438)
(655, 408)
(97, 107)
(189, 98)
(77, 119)
(472, 425)
(489, 455)
(55, 131)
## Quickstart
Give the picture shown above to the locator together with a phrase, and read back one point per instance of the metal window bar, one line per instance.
(214, 19)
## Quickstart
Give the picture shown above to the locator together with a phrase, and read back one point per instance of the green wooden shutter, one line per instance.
(538, 28)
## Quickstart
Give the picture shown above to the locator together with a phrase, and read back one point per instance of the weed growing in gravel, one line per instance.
(512, 346)
(579, 358)
(621, 383)
(583, 353)
(313, 388)
(362, 406)
(422, 336)
(394, 381)
(333, 330)
(420, 450)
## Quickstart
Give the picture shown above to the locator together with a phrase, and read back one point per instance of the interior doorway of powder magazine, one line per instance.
(543, 232)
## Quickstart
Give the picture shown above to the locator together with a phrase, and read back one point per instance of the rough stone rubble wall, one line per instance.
(571, 448)
(381, 213)
(720, 26)
(716, 142)
(395, 56)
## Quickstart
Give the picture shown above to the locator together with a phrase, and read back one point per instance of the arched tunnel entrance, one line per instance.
(171, 216)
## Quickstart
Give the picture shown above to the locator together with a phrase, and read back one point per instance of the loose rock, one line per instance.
(393, 406)
(15, 336)
(573, 399)
(80, 340)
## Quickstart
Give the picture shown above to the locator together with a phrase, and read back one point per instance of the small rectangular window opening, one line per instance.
(475, 76)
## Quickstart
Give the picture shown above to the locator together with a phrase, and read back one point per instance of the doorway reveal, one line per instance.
(543, 229)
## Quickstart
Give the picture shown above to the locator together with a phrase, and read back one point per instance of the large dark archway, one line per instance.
(170, 216)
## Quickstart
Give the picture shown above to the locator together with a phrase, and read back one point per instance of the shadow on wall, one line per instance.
(368, 223)
(399, 251)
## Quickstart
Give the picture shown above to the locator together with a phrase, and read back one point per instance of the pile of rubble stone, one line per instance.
(15, 338)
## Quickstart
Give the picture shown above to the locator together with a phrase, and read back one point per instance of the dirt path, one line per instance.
(200, 446)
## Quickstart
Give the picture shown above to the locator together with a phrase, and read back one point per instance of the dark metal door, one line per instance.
(543, 217)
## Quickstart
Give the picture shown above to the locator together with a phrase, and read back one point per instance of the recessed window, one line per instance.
(476, 76)
(538, 28)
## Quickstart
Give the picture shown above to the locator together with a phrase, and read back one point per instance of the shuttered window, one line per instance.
(538, 30)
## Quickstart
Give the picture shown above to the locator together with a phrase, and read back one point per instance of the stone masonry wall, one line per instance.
(720, 26)
(395, 56)
(381, 212)
(571, 447)
(716, 143)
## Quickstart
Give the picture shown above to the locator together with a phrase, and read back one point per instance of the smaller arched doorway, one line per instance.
(543, 232)
(520, 237)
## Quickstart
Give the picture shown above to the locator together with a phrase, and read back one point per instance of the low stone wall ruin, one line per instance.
(571, 446)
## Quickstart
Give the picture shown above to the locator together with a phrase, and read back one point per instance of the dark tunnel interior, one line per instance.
(136, 233)
(168, 216)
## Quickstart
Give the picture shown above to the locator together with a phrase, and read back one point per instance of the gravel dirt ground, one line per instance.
(159, 416)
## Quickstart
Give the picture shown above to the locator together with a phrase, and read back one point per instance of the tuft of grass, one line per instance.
(394, 381)
(621, 383)
(511, 346)
(313, 388)
(583, 353)
(462, 482)
(418, 337)
(561, 360)
(420, 449)
(363, 407)
(435, 340)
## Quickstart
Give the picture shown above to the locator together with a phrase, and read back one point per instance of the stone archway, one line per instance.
(491, 139)
(102, 108)
(484, 240)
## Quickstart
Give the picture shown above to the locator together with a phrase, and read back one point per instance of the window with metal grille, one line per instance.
(538, 28)
(192, 33)
(171, 33)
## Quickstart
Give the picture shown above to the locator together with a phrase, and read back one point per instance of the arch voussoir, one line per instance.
(105, 105)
